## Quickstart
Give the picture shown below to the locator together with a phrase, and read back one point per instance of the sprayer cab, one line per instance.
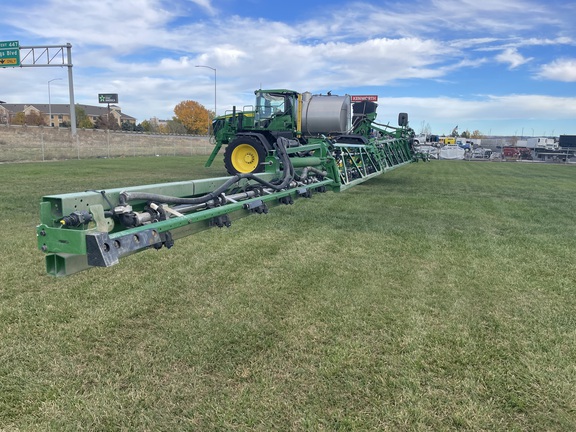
(276, 110)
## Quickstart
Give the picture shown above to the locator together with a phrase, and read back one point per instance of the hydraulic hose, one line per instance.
(304, 174)
(287, 178)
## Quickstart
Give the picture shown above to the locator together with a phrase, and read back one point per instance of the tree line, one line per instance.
(191, 117)
(425, 129)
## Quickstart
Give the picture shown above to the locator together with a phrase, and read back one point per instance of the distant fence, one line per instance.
(39, 143)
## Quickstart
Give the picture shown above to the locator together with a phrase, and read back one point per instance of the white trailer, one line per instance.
(541, 143)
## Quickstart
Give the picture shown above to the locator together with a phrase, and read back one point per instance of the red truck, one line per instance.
(523, 153)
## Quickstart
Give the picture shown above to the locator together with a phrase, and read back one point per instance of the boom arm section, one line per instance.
(98, 228)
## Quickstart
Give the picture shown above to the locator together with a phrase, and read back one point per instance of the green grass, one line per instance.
(439, 296)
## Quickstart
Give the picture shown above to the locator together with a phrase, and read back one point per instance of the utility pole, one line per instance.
(214, 69)
(50, 103)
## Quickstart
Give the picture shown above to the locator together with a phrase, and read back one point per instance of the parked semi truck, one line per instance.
(288, 146)
(562, 150)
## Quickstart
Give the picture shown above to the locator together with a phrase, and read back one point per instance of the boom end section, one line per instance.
(131, 220)
(65, 264)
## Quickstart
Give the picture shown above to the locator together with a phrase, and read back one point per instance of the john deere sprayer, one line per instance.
(288, 146)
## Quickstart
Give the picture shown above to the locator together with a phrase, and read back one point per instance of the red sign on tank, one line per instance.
(360, 98)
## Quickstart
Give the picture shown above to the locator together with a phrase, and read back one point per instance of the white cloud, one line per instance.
(487, 113)
(206, 5)
(520, 42)
(559, 70)
(460, 17)
(173, 65)
(563, 40)
(476, 43)
(121, 26)
(512, 57)
(488, 107)
(229, 55)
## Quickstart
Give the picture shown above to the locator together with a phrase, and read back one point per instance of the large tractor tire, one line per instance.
(244, 154)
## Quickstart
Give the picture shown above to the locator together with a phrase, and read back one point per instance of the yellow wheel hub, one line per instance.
(245, 158)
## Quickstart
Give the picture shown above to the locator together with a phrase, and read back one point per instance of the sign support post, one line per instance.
(14, 55)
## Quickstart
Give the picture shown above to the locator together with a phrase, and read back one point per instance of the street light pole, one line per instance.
(214, 69)
(50, 103)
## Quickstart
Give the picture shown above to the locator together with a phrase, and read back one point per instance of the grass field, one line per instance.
(437, 297)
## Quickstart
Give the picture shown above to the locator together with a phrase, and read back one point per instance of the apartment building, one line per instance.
(60, 113)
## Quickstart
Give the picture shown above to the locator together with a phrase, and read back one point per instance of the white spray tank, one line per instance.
(325, 114)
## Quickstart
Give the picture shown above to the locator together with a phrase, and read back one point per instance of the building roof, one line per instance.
(64, 109)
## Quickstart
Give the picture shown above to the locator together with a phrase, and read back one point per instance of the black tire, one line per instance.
(245, 154)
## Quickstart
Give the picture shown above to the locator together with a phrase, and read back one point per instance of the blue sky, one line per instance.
(500, 67)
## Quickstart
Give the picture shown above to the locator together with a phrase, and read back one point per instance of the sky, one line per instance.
(493, 66)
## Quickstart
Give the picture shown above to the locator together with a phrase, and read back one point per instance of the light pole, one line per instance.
(214, 69)
(49, 102)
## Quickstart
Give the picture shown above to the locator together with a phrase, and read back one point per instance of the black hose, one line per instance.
(304, 174)
(288, 177)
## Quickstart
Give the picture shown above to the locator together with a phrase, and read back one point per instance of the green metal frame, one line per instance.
(67, 248)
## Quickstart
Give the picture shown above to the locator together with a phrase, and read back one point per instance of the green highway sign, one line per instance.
(9, 54)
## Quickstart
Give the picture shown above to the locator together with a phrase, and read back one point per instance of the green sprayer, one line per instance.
(289, 145)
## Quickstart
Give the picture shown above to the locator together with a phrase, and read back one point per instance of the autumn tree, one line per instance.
(194, 116)
(146, 126)
(19, 118)
(174, 126)
(106, 122)
(82, 119)
(32, 119)
(35, 119)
